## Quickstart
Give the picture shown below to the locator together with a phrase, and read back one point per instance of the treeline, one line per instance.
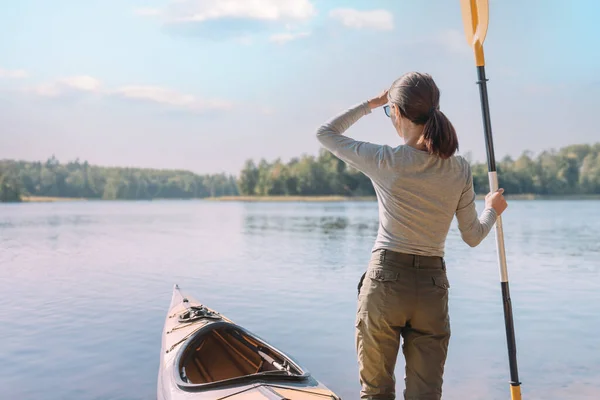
(572, 170)
(82, 180)
(306, 176)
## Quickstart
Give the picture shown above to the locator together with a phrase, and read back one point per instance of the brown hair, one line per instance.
(418, 99)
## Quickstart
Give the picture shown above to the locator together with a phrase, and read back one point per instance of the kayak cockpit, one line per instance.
(223, 353)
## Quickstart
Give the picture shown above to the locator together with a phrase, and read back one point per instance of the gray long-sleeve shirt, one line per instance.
(418, 194)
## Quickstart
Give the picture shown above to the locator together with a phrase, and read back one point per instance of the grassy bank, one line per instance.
(291, 198)
(373, 198)
(45, 199)
(548, 197)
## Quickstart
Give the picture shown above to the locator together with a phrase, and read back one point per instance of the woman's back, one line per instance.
(418, 193)
(418, 197)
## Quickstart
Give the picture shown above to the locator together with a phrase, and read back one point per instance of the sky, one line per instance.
(204, 85)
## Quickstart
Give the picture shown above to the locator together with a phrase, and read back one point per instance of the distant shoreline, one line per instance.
(265, 199)
(373, 198)
(48, 199)
(308, 199)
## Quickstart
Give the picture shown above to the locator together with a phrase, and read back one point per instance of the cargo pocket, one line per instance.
(378, 287)
(383, 275)
(441, 281)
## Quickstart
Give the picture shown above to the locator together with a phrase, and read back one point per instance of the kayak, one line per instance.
(204, 355)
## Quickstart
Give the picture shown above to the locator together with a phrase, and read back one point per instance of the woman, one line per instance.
(420, 187)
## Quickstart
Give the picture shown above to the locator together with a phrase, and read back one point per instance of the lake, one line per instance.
(85, 287)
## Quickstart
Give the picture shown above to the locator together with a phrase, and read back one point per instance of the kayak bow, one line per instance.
(205, 355)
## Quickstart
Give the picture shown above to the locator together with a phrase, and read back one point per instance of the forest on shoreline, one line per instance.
(572, 170)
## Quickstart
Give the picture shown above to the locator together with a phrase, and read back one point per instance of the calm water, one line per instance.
(85, 286)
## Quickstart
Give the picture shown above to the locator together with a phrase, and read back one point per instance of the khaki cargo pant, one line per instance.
(406, 296)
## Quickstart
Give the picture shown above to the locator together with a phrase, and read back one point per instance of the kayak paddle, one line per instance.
(475, 14)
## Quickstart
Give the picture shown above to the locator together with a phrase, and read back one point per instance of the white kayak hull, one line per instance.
(204, 355)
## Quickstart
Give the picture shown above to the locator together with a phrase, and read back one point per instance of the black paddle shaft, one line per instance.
(510, 335)
(487, 124)
(508, 315)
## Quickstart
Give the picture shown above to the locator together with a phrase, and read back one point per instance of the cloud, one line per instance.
(169, 97)
(282, 38)
(262, 10)
(13, 74)
(66, 86)
(229, 19)
(374, 19)
(83, 84)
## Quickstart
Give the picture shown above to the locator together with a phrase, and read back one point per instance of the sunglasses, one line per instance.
(387, 109)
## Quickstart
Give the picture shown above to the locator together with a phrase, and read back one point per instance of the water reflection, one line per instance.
(259, 223)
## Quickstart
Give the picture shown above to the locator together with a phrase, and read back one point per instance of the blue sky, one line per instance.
(206, 84)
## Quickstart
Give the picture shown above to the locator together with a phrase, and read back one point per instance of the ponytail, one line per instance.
(439, 135)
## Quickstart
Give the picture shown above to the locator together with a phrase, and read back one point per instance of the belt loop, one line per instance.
(417, 261)
(443, 264)
(382, 255)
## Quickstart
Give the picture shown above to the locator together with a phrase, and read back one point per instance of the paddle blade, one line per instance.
(475, 14)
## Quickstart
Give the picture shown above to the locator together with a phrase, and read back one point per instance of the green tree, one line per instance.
(248, 178)
(9, 189)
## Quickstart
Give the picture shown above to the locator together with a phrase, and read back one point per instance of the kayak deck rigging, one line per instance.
(192, 315)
